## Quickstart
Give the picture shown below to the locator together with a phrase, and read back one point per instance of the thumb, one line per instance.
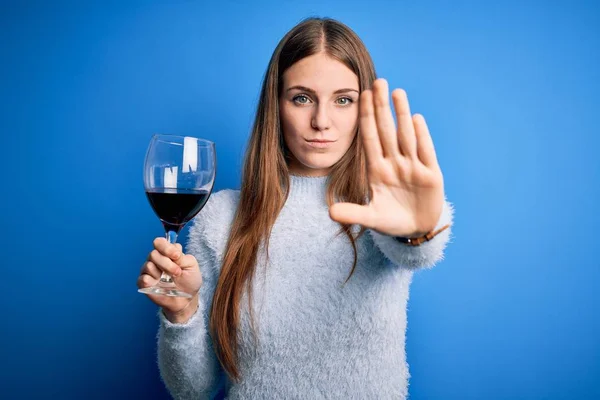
(186, 261)
(349, 213)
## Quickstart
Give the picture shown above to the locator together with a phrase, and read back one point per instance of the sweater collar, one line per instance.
(308, 188)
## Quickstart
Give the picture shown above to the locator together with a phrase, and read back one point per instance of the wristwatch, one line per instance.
(420, 240)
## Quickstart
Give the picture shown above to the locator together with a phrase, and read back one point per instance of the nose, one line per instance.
(320, 119)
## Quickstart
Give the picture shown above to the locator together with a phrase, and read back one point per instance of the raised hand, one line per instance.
(406, 181)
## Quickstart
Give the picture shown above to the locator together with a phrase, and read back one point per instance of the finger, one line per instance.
(164, 263)
(386, 128)
(150, 269)
(425, 148)
(406, 131)
(178, 254)
(368, 128)
(187, 261)
(167, 249)
(145, 280)
(349, 213)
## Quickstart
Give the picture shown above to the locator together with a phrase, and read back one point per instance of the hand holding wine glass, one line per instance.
(179, 175)
(183, 268)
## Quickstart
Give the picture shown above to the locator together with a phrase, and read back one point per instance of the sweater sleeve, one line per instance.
(424, 256)
(187, 362)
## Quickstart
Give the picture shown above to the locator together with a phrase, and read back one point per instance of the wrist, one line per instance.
(183, 315)
(415, 235)
(420, 238)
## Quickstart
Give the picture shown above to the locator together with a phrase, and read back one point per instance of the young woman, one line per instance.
(301, 278)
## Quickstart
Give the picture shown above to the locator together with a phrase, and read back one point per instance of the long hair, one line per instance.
(265, 181)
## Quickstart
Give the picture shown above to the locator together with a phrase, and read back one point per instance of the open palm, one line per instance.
(406, 182)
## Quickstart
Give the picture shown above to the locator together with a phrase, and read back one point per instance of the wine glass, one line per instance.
(179, 175)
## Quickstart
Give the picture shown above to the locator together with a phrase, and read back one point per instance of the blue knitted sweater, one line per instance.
(317, 338)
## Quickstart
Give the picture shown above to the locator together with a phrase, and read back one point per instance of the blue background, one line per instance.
(509, 89)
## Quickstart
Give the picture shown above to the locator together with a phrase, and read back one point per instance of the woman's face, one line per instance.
(319, 113)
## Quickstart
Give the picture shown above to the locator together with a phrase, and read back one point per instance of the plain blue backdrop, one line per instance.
(510, 92)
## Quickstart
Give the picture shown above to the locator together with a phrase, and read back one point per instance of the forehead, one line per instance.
(321, 73)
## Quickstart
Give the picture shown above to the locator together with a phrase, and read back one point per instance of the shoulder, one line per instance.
(210, 228)
(220, 206)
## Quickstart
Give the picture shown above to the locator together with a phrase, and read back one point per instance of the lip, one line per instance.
(319, 143)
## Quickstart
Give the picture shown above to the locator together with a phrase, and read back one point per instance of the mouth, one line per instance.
(319, 143)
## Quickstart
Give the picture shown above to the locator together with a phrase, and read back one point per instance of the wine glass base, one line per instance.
(170, 291)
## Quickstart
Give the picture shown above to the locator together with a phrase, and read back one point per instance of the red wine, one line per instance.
(175, 207)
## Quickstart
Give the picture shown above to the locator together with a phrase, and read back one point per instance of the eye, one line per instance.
(301, 99)
(344, 101)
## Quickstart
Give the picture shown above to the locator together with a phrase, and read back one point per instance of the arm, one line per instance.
(186, 359)
(424, 256)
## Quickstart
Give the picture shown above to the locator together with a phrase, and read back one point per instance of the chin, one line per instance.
(319, 162)
(320, 168)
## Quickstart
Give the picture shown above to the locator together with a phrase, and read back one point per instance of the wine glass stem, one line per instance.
(172, 238)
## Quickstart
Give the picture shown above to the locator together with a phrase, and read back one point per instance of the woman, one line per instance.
(298, 297)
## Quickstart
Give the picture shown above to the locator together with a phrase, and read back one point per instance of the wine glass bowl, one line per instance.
(179, 175)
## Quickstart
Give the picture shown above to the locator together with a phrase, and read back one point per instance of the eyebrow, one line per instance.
(309, 90)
